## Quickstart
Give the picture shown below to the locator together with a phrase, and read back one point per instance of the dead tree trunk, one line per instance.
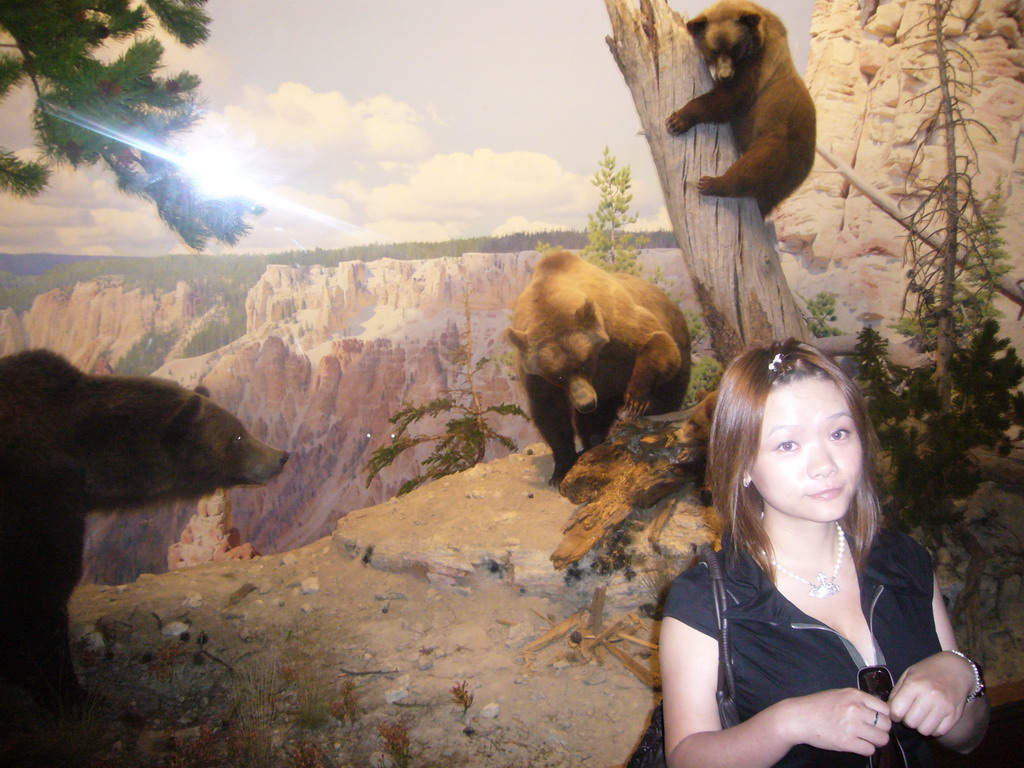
(729, 250)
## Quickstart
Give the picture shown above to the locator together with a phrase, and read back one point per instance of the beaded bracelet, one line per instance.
(979, 680)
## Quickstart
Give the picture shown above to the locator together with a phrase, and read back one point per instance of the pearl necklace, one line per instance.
(826, 587)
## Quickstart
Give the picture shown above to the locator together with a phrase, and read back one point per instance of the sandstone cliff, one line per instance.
(96, 320)
(868, 75)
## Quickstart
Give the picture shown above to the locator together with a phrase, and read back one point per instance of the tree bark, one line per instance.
(730, 251)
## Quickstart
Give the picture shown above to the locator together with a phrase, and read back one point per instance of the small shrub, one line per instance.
(395, 734)
(167, 658)
(346, 708)
(307, 755)
(205, 750)
(461, 696)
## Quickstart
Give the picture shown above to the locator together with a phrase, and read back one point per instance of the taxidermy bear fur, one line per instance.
(589, 342)
(758, 90)
(71, 444)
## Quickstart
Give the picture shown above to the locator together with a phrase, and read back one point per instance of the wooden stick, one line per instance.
(643, 674)
(639, 641)
(597, 609)
(601, 636)
(563, 627)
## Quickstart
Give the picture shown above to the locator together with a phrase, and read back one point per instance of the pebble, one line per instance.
(396, 695)
(491, 711)
(174, 629)
(289, 559)
(310, 585)
(94, 640)
(193, 600)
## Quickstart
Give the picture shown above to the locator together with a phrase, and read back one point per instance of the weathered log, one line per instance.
(729, 249)
(642, 462)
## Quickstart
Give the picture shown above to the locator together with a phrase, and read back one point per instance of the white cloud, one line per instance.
(295, 119)
(83, 212)
(466, 187)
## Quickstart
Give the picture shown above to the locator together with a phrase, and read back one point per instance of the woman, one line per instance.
(816, 592)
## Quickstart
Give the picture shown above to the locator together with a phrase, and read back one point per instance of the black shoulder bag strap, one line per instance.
(726, 694)
(650, 752)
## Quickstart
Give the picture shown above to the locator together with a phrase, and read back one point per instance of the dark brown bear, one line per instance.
(588, 342)
(758, 90)
(71, 444)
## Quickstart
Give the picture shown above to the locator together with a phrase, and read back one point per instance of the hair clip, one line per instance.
(776, 364)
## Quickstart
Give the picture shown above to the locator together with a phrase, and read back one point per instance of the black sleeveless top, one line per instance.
(780, 652)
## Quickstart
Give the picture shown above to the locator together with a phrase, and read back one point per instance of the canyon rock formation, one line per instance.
(870, 74)
(330, 353)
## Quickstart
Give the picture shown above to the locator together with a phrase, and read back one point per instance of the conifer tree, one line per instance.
(121, 111)
(609, 245)
(462, 443)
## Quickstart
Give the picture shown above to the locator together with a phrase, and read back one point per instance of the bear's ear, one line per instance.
(201, 390)
(750, 20)
(588, 316)
(186, 416)
(516, 338)
(697, 26)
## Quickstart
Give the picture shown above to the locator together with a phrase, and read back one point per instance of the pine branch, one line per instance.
(21, 178)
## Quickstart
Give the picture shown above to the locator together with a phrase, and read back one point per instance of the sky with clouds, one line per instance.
(382, 120)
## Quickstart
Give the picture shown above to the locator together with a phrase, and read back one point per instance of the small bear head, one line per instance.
(566, 354)
(727, 34)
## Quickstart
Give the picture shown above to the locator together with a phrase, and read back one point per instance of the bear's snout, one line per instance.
(582, 395)
(265, 463)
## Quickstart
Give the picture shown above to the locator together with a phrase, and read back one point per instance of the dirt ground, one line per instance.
(317, 658)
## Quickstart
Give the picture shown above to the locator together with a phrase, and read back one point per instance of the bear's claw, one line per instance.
(677, 123)
(635, 408)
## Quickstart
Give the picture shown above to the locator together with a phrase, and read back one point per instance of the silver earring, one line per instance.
(746, 482)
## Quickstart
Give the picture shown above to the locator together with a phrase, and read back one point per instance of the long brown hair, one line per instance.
(736, 437)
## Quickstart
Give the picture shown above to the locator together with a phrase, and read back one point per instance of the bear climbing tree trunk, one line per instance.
(728, 248)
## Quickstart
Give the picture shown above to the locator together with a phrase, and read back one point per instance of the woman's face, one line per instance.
(809, 461)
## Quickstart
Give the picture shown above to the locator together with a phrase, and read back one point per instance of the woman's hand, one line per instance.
(930, 695)
(843, 719)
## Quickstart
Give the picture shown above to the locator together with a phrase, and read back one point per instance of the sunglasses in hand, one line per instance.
(877, 681)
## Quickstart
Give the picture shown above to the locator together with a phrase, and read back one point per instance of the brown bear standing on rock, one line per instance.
(759, 91)
(71, 444)
(588, 342)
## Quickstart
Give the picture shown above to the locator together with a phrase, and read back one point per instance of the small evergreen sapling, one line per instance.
(609, 245)
(463, 442)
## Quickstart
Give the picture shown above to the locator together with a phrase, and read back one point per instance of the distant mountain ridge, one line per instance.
(26, 264)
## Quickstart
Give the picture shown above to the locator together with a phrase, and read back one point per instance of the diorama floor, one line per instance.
(313, 658)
